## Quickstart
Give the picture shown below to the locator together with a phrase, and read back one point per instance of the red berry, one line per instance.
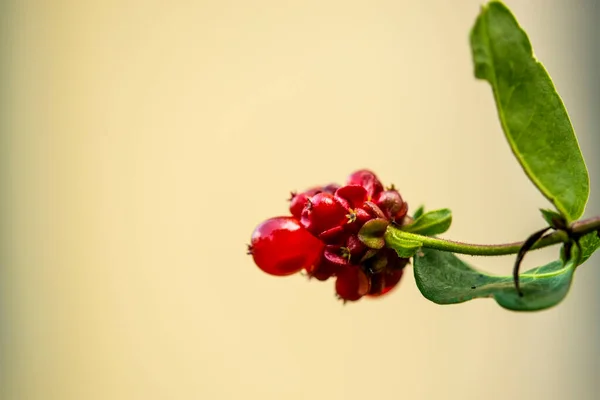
(337, 255)
(354, 195)
(368, 180)
(322, 213)
(351, 283)
(392, 205)
(299, 200)
(335, 235)
(324, 270)
(350, 253)
(281, 246)
(356, 248)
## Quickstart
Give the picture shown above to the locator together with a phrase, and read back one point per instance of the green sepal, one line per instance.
(372, 233)
(407, 248)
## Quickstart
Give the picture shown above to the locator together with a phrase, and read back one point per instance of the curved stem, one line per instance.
(393, 237)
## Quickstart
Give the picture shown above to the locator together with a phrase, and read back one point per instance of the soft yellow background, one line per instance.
(142, 141)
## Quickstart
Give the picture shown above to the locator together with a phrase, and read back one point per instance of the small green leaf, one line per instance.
(418, 212)
(554, 219)
(531, 112)
(372, 232)
(444, 278)
(431, 223)
(589, 244)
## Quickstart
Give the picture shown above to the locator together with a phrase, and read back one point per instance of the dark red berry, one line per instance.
(299, 200)
(392, 205)
(331, 188)
(373, 210)
(281, 246)
(337, 255)
(386, 281)
(377, 284)
(322, 213)
(394, 262)
(351, 283)
(324, 270)
(356, 248)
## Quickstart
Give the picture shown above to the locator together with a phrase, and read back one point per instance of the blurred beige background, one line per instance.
(142, 141)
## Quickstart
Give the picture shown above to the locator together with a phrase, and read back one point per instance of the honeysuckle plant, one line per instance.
(361, 233)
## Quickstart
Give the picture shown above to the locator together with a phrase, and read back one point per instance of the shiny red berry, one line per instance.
(299, 200)
(354, 195)
(392, 205)
(368, 180)
(351, 283)
(323, 213)
(281, 246)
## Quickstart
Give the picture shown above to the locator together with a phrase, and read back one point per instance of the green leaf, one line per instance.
(531, 112)
(554, 219)
(431, 223)
(418, 212)
(589, 244)
(444, 278)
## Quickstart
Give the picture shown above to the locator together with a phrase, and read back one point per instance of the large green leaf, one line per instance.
(444, 278)
(531, 112)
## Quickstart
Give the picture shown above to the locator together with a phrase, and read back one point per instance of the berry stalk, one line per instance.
(394, 236)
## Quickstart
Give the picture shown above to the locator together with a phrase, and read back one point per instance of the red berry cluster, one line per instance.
(323, 237)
